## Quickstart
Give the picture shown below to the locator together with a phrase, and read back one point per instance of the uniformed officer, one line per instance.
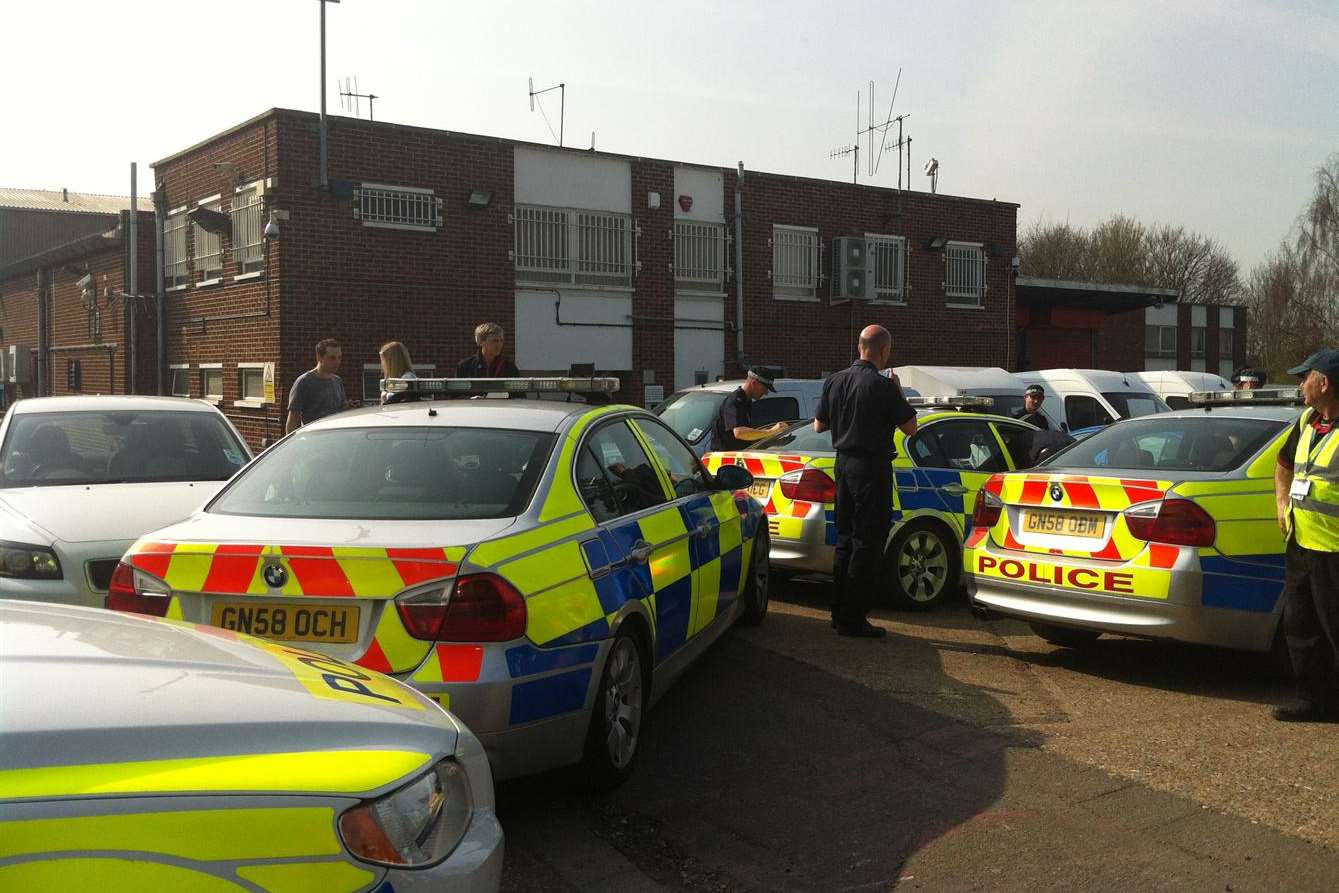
(733, 428)
(863, 409)
(1030, 411)
(1306, 488)
(1247, 379)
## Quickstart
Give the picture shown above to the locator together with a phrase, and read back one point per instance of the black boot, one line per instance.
(1306, 710)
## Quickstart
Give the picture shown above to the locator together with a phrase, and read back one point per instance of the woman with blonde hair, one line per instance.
(395, 363)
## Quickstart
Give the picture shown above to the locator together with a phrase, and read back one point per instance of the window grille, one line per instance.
(248, 231)
(699, 255)
(1160, 341)
(575, 247)
(795, 262)
(208, 248)
(175, 269)
(397, 207)
(964, 273)
(211, 383)
(251, 383)
(890, 269)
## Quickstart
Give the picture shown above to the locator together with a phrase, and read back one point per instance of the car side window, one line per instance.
(769, 410)
(615, 475)
(966, 445)
(1018, 439)
(924, 449)
(1082, 411)
(685, 472)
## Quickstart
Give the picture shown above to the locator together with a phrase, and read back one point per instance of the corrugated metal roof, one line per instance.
(63, 200)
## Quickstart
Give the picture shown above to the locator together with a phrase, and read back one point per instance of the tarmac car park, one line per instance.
(936, 475)
(141, 755)
(543, 568)
(1161, 527)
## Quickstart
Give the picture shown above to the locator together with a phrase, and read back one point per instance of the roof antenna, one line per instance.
(350, 99)
(562, 109)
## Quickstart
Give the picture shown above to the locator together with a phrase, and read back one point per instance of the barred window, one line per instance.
(175, 268)
(964, 273)
(397, 207)
(1160, 341)
(889, 254)
(571, 246)
(699, 255)
(248, 230)
(795, 265)
(207, 247)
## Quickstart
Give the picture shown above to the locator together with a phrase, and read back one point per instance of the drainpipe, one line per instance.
(160, 310)
(739, 267)
(43, 285)
(133, 381)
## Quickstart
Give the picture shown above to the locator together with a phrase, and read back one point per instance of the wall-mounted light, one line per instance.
(936, 243)
(479, 199)
(272, 226)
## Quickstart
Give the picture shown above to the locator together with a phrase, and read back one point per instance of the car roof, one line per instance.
(728, 386)
(489, 412)
(960, 377)
(1196, 381)
(110, 402)
(1272, 413)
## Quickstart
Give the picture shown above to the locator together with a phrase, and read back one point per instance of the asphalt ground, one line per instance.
(953, 755)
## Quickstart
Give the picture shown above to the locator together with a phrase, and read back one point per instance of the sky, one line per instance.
(1197, 112)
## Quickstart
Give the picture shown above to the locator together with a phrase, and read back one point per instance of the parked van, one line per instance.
(1005, 388)
(1083, 398)
(691, 412)
(1175, 387)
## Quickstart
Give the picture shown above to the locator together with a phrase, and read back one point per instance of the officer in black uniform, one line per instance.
(1030, 411)
(863, 409)
(1247, 379)
(733, 428)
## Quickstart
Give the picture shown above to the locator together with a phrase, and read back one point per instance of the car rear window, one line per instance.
(118, 446)
(1180, 443)
(799, 439)
(691, 413)
(397, 474)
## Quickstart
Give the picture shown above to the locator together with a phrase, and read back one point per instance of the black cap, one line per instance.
(763, 375)
(1035, 390)
(1246, 373)
(1326, 362)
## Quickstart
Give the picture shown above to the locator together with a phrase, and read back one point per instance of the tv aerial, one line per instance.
(562, 109)
(882, 128)
(350, 100)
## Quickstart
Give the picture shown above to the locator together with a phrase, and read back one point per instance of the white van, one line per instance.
(692, 411)
(1005, 388)
(1085, 398)
(1175, 387)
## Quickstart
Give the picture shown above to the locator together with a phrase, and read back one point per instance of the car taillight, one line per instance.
(1178, 522)
(808, 485)
(136, 592)
(476, 608)
(986, 511)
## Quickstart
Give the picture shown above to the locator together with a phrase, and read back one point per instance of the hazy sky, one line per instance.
(1209, 113)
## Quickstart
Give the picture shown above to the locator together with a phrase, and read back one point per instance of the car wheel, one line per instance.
(616, 721)
(757, 592)
(1064, 636)
(923, 564)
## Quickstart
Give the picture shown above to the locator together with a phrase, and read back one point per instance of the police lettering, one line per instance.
(1055, 575)
(340, 676)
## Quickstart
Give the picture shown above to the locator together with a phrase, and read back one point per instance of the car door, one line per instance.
(1017, 440)
(959, 455)
(713, 522)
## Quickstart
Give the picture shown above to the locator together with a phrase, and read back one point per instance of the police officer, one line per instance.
(733, 428)
(1306, 488)
(1247, 379)
(863, 409)
(1030, 411)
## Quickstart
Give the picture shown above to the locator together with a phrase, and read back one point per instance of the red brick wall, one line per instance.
(653, 301)
(1120, 342)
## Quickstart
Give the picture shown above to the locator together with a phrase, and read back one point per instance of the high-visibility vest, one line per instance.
(1316, 461)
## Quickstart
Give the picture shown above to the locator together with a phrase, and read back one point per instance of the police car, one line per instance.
(1162, 526)
(936, 475)
(543, 568)
(137, 754)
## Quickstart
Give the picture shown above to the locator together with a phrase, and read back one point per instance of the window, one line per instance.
(1018, 439)
(795, 265)
(964, 273)
(372, 379)
(615, 476)
(1225, 344)
(248, 230)
(1160, 341)
(1082, 411)
(211, 382)
(1209, 442)
(967, 445)
(699, 255)
(690, 414)
(181, 381)
(770, 410)
(175, 269)
(1133, 404)
(251, 383)
(1197, 341)
(685, 472)
(74, 376)
(397, 207)
(207, 252)
(890, 274)
(564, 245)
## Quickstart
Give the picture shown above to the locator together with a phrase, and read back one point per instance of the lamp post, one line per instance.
(325, 172)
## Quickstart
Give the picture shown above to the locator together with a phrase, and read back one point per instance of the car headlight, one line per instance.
(25, 562)
(413, 827)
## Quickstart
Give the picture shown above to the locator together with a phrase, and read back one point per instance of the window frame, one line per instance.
(208, 264)
(896, 295)
(573, 234)
(586, 446)
(1161, 349)
(712, 232)
(176, 250)
(645, 427)
(248, 200)
(1203, 333)
(208, 369)
(804, 292)
(932, 432)
(243, 371)
(425, 202)
(959, 297)
(184, 371)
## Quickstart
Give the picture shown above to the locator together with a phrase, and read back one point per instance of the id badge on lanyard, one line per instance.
(1299, 489)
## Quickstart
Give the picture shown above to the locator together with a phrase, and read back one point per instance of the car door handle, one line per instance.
(955, 489)
(640, 553)
(702, 531)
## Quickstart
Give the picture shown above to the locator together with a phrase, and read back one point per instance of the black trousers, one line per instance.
(864, 511)
(1311, 621)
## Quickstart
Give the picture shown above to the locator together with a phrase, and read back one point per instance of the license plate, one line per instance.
(289, 623)
(1084, 524)
(759, 490)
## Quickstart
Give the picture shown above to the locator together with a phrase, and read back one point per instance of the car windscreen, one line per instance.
(1133, 404)
(118, 446)
(380, 474)
(1171, 443)
(691, 413)
(799, 439)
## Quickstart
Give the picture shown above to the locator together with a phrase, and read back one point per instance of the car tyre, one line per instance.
(1064, 636)
(922, 561)
(618, 716)
(758, 591)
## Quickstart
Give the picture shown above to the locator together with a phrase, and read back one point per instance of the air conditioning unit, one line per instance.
(852, 270)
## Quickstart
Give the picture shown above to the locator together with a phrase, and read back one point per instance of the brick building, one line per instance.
(32, 220)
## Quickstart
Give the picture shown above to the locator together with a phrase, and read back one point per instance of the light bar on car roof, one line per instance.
(1256, 397)
(957, 401)
(599, 385)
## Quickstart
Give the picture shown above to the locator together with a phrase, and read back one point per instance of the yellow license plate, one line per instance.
(289, 623)
(759, 490)
(1084, 524)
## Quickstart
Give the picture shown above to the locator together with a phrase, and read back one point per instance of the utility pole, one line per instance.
(325, 170)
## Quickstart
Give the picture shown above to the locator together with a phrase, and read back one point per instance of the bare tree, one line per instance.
(1117, 252)
(1054, 251)
(1193, 264)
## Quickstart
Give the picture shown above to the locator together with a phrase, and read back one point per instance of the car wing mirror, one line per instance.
(733, 477)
